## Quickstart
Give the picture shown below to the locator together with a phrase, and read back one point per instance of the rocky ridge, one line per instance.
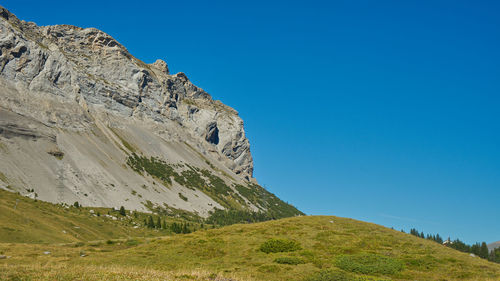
(76, 107)
(493, 245)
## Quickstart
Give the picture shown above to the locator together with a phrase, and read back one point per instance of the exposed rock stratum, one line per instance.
(81, 119)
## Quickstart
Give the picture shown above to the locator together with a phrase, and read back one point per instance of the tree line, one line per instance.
(478, 249)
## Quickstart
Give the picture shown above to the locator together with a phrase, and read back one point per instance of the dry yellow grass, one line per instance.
(233, 252)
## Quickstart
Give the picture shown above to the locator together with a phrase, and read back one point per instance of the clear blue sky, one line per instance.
(383, 111)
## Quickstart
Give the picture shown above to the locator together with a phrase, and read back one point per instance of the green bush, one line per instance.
(183, 197)
(269, 268)
(334, 275)
(330, 275)
(132, 242)
(289, 260)
(228, 217)
(79, 244)
(369, 264)
(279, 245)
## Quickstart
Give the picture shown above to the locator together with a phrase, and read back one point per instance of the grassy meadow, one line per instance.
(306, 248)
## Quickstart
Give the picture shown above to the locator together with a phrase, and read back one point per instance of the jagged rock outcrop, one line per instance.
(90, 67)
(80, 93)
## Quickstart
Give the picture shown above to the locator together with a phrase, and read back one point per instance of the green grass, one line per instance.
(85, 246)
(290, 260)
(344, 250)
(214, 186)
(269, 202)
(152, 166)
(334, 275)
(33, 221)
(369, 264)
(3, 178)
(125, 143)
(279, 245)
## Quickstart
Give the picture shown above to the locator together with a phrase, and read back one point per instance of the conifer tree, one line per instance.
(151, 223)
(185, 229)
(122, 211)
(439, 239)
(483, 251)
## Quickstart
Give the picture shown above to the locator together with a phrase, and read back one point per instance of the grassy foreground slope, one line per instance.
(29, 221)
(321, 249)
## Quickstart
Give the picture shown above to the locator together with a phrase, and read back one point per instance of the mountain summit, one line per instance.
(82, 120)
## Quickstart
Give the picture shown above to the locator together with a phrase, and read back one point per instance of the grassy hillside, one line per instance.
(308, 248)
(29, 221)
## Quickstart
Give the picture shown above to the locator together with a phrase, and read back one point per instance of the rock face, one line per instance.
(494, 245)
(75, 105)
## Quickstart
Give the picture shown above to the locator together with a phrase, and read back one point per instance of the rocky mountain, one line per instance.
(494, 245)
(82, 120)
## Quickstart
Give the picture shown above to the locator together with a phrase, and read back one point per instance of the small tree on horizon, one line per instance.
(122, 211)
(151, 223)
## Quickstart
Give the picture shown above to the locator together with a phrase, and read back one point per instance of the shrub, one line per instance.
(132, 242)
(122, 211)
(332, 275)
(279, 245)
(289, 260)
(329, 275)
(369, 264)
(228, 217)
(183, 197)
(269, 268)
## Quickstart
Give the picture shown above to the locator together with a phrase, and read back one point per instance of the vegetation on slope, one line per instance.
(25, 220)
(271, 207)
(478, 249)
(323, 249)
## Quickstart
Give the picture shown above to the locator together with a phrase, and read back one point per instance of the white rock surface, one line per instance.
(72, 98)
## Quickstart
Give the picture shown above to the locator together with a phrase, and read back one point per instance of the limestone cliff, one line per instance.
(81, 119)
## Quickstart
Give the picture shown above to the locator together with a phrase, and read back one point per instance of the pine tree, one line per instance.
(483, 251)
(185, 229)
(476, 249)
(439, 239)
(176, 228)
(122, 211)
(151, 223)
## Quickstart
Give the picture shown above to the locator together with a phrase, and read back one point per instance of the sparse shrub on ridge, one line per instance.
(132, 242)
(279, 245)
(335, 275)
(369, 264)
(289, 260)
(329, 275)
